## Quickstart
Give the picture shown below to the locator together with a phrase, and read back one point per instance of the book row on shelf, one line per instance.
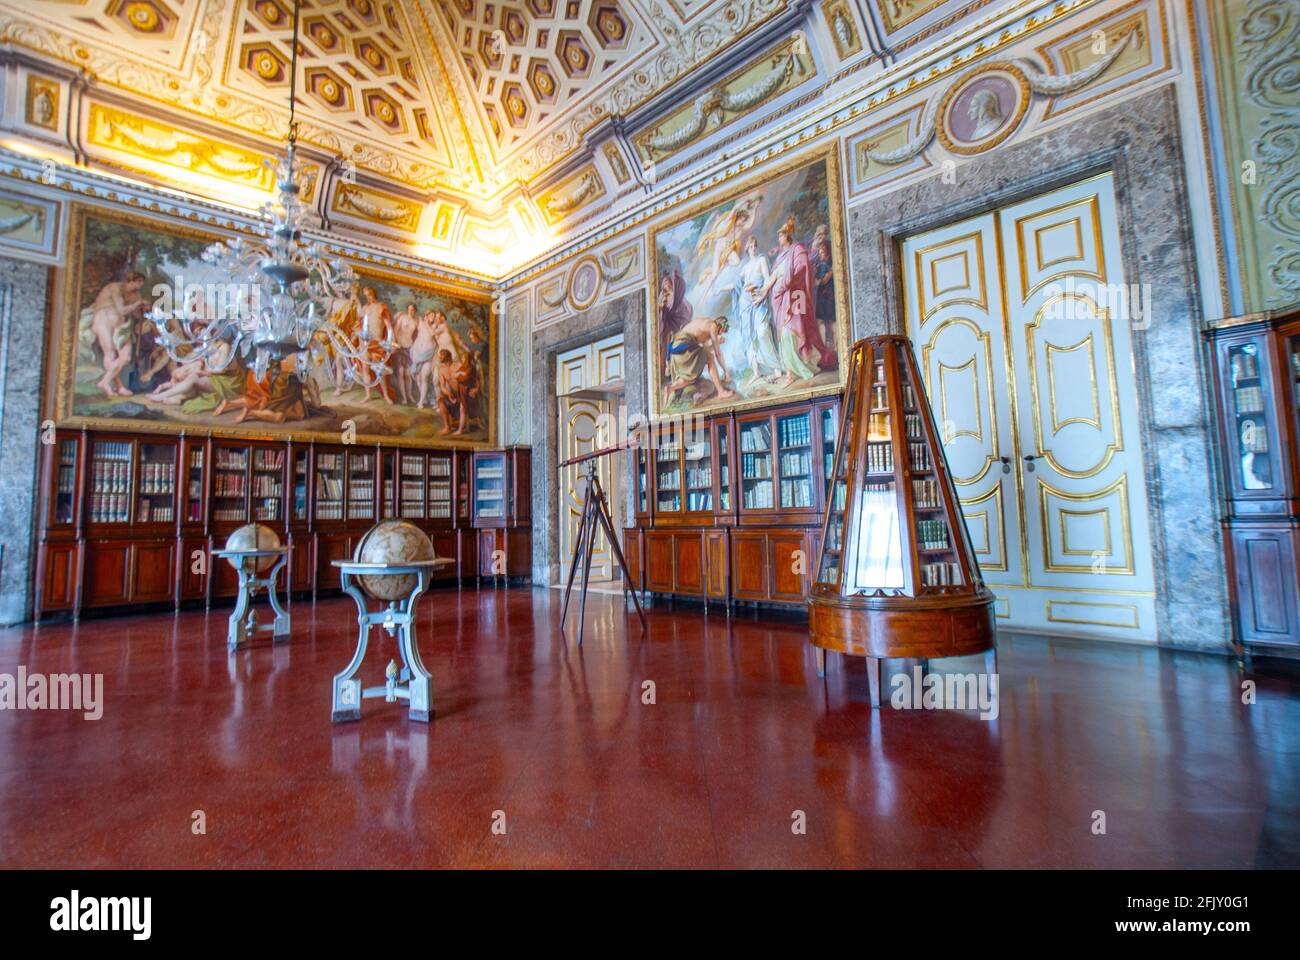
(758, 496)
(943, 574)
(755, 467)
(670, 478)
(925, 494)
(880, 457)
(157, 478)
(756, 438)
(912, 426)
(699, 500)
(264, 459)
(109, 508)
(111, 476)
(227, 459)
(795, 464)
(795, 431)
(329, 509)
(361, 491)
(698, 477)
(267, 510)
(796, 493)
(154, 513)
(1245, 365)
(267, 486)
(1250, 400)
(920, 455)
(229, 485)
(932, 534)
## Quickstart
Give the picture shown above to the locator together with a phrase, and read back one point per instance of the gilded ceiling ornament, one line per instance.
(1040, 83)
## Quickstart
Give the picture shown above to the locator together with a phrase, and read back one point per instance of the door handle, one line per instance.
(1006, 464)
(1029, 462)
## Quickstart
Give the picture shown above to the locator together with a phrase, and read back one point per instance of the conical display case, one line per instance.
(896, 576)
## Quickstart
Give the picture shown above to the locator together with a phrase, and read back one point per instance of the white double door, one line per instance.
(1029, 369)
(588, 422)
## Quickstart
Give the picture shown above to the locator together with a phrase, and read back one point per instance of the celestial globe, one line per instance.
(393, 542)
(253, 536)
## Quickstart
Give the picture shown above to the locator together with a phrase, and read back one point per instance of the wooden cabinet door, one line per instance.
(300, 563)
(632, 556)
(490, 565)
(225, 581)
(749, 565)
(107, 577)
(715, 564)
(445, 543)
(688, 559)
(789, 565)
(58, 587)
(194, 585)
(329, 549)
(1263, 561)
(153, 571)
(659, 562)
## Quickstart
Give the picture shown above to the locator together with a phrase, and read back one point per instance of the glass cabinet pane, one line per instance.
(668, 475)
(268, 484)
(412, 486)
(462, 487)
(756, 465)
(724, 469)
(699, 474)
(156, 484)
(329, 486)
(65, 483)
(110, 481)
(194, 486)
(439, 486)
(230, 484)
(641, 481)
(830, 434)
(361, 486)
(794, 436)
(490, 487)
(386, 498)
(938, 566)
(1250, 433)
(300, 485)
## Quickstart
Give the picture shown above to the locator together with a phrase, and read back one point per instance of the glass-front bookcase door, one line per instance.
(110, 481)
(490, 487)
(388, 461)
(795, 460)
(411, 486)
(329, 485)
(668, 472)
(230, 484)
(1253, 447)
(440, 480)
(301, 467)
(268, 484)
(723, 459)
(361, 485)
(63, 503)
(756, 473)
(156, 484)
(697, 460)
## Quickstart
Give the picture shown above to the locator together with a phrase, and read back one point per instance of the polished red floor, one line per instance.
(555, 741)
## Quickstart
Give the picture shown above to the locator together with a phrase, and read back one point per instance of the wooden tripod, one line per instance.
(595, 512)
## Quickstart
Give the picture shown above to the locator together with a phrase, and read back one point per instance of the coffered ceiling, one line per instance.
(464, 103)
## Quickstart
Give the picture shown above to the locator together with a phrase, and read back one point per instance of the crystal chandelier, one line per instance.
(286, 298)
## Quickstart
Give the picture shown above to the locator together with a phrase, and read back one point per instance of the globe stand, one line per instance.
(397, 618)
(243, 621)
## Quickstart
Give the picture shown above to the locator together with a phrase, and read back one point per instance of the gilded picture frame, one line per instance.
(819, 168)
(73, 352)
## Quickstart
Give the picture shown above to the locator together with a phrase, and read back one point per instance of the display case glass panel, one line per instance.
(194, 476)
(829, 420)
(388, 461)
(462, 487)
(156, 484)
(412, 486)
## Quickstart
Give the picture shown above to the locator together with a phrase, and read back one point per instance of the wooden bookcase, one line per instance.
(1255, 360)
(130, 519)
(728, 509)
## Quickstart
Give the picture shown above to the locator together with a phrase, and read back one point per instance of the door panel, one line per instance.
(153, 571)
(1019, 322)
(659, 562)
(749, 566)
(790, 564)
(688, 551)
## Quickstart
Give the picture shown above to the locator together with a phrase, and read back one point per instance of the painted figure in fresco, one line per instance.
(422, 351)
(763, 358)
(675, 312)
(799, 340)
(697, 347)
(110, 320)
(346, 317)
(824, 282)
(720, 243)
(405, 326)
(375, 327)
(458, 391)
(445, 337)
